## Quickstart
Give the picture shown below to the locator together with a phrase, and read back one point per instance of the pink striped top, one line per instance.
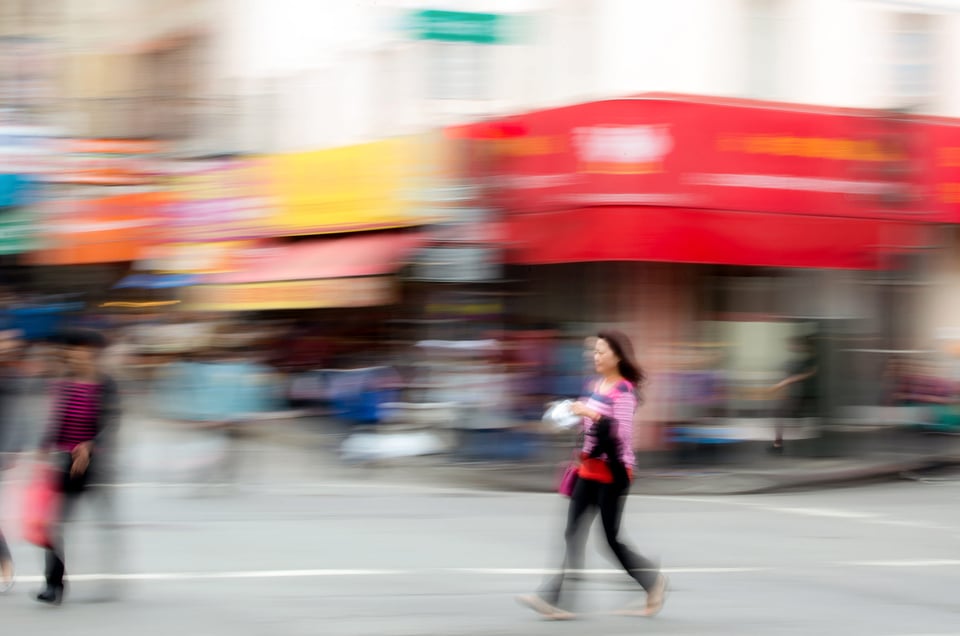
(76, 414)
(618, 402)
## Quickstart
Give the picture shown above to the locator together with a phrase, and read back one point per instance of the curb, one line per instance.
(504, 479)
(539, 476)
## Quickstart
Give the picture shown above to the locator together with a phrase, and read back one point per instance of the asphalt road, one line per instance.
(371, 558)
(299, 546)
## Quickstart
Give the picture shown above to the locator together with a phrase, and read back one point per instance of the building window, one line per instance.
(764, 32)
(913, 64)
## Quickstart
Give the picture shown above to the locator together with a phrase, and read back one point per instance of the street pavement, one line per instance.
(300, 545)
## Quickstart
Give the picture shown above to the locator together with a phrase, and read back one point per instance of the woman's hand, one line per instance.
(81, 459)
(579, 409)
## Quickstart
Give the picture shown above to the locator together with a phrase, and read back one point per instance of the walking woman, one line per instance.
(79, 440)
(9, 436)
(604, 477)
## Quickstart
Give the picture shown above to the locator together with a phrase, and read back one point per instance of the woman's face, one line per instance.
(79, 360)
(604, 359)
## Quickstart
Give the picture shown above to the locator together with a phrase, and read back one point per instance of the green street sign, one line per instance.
(460, 26)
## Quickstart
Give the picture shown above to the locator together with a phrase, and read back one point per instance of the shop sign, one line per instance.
(107, 230)
(105, 162)
(220, 201)
(460, 26)
(308, 294)
(15, 190)
(457, 264)
(348, 189)
(671, 151)
(18, 231)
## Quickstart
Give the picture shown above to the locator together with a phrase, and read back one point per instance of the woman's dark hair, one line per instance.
(80, 338)
(621, 346)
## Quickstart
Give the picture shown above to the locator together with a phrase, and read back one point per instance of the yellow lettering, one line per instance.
(950, 192)
(758, 145)
(950, 157)
(794, 146)
(860, 151)
(728, 143)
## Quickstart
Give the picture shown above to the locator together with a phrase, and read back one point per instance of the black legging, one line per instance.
(90, 486)
(589, 495)
(5, 556)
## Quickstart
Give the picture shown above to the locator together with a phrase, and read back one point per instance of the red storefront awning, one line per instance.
(941, 171)
(709, 180)
(708, 237)
(722, 155)
(351, 256)
(354, 271)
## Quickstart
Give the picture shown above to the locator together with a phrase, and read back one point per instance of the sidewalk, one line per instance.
(858, 455)
(304, 448)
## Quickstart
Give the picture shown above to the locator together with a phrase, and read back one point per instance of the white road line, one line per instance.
(319, 486)
(214, 576)
(909, 523)
(906, 563)
(545, 571)
(825, 512)
(355, 572)
(872, 518)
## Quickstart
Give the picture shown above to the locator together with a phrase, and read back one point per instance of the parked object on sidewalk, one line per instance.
(361, 447)
(357, 395)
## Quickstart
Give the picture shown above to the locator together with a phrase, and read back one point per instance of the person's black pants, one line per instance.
(5, 555)
(589, 497)
(792, 408)
(92, 485)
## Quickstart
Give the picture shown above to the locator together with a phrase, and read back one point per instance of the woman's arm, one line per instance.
(579, 407)
(624, 407)
(109, 416)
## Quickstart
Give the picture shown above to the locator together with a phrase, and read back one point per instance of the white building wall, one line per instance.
(355, 75)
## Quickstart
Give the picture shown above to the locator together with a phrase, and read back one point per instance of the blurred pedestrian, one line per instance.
(6, 566)
(798, 389)
(10, 435)
(604, 477)
(79, 442)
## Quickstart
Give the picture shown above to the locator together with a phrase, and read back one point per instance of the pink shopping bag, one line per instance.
(41, 506)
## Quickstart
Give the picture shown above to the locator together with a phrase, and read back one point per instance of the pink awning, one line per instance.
(360, 255)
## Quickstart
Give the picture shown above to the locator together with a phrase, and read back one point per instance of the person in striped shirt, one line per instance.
(78, 441)
(604, 477)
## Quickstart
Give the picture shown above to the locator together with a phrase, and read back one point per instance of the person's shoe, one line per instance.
(51, 595)
(545, 609)
(776, 449)
(654, 601)
(657, 596)
(6, 576)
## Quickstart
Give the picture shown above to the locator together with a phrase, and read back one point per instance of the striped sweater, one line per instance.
(617, 402)
(82, 412)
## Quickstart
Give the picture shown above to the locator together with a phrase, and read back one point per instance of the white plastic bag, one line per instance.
(561, 416)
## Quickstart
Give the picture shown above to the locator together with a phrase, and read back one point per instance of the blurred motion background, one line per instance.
(402, 220)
